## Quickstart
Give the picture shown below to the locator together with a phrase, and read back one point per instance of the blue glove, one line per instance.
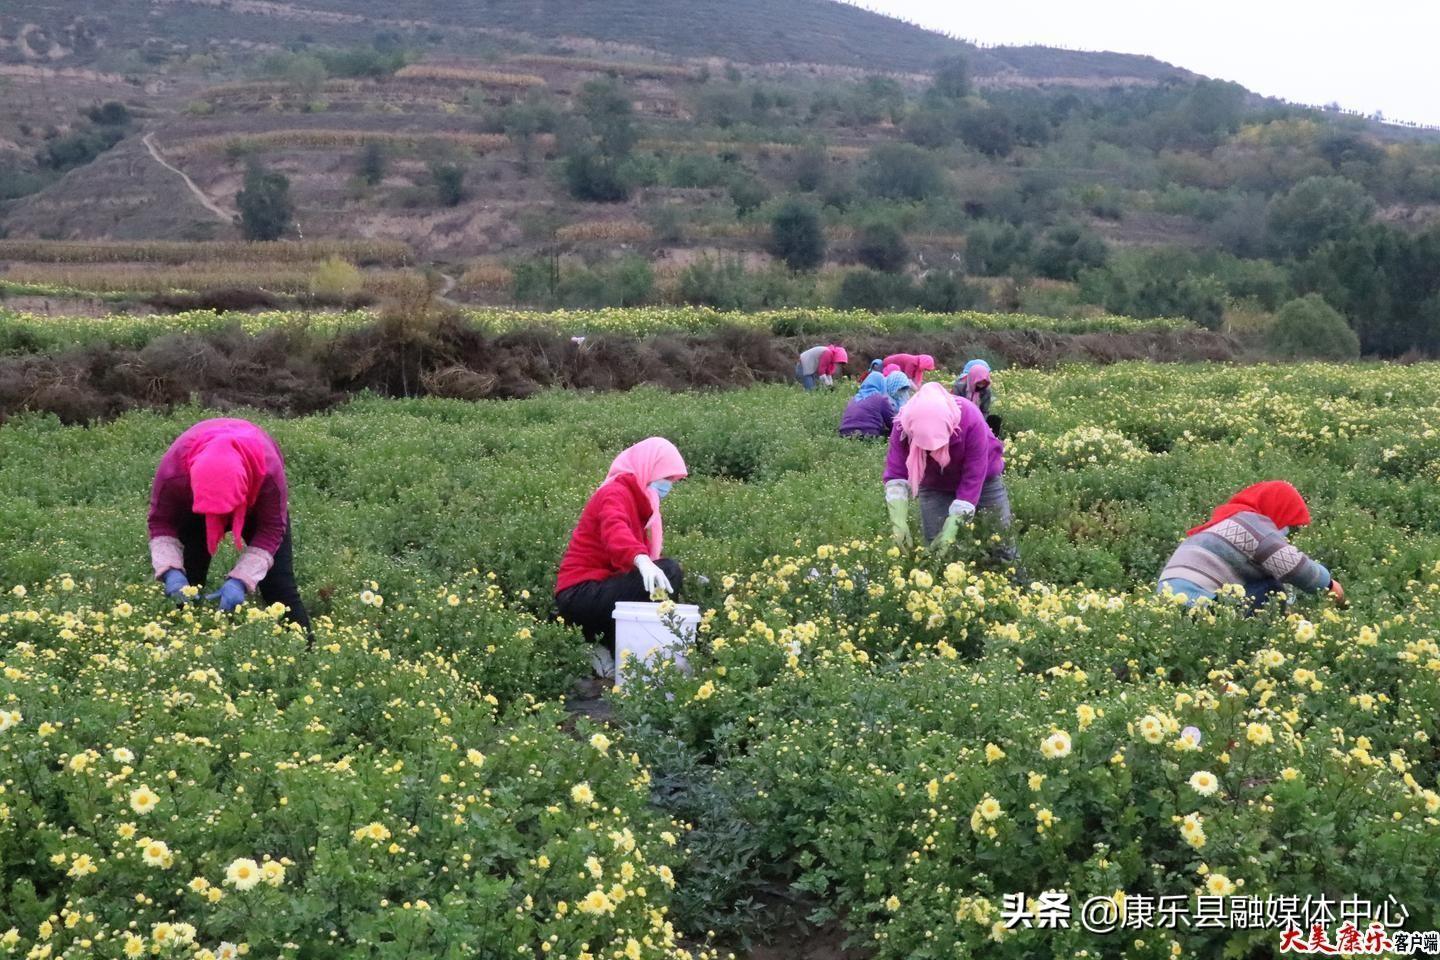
(175, 581)
(231, 594)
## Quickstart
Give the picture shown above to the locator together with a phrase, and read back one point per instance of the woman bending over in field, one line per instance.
(974, 385)
(913, 365)
(871, 412)
(942, 452)
(614, 555)
(820, 364)
(224, 476)
(1243, 543)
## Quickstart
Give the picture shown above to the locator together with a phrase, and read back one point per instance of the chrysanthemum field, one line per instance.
(886, 743)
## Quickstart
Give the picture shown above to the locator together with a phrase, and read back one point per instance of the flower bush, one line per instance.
(176, 783)
(921, 742)
(42, 331)
(881, 740)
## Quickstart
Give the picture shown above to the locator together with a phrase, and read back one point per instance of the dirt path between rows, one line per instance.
(228, 216)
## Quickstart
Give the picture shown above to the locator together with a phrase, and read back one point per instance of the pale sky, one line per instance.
(1369, 55)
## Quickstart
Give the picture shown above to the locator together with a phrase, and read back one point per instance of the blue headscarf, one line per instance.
(872, 385)
(895, 384)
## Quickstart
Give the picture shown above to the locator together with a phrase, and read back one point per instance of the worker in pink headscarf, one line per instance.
(943, 453)
(615, 552)
(222, 477)
(821, 364)
(974, 385)
(913, 365)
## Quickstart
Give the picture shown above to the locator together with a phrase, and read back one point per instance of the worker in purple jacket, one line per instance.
(224, 476)
(871, 412)
(943, 453)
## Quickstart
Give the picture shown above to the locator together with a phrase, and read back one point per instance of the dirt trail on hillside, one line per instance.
(228, 216)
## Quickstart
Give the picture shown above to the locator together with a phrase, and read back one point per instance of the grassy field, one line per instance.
(408, 786)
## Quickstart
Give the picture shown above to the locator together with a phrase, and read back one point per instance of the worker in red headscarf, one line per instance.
(1244, 543)
(222, 477)
(614, 554)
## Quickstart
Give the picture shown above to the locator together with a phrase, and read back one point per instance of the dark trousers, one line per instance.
(591, 605)
(278, 585)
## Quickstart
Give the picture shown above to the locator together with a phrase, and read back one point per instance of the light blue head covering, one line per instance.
(872, 385)
(896, 384)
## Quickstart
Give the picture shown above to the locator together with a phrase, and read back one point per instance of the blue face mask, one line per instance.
(661, 488)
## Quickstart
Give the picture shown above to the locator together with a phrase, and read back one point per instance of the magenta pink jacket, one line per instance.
(976, 455)
(172, 505)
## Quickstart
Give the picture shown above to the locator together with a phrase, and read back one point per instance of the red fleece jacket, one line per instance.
(610, 534)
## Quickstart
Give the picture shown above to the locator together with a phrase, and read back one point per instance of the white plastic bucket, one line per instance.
(642, 633)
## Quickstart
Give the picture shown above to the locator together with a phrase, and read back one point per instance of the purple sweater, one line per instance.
(975, 456)
(870, 417)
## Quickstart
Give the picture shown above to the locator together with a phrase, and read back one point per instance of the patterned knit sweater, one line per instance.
(1244, 549)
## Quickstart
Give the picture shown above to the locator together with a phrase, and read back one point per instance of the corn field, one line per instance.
(360, 252)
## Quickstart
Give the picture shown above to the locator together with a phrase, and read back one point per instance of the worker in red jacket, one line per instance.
(614, 554)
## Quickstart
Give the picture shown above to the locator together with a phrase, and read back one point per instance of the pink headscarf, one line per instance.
(977, 375)
(833, 356)
(647, 461)
(928, 421)
(226, 466)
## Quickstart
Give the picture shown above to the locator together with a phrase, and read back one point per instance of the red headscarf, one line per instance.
(1275, 499)
(647, 461)
(226, 469)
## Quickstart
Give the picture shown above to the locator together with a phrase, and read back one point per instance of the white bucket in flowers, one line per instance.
(641, 632)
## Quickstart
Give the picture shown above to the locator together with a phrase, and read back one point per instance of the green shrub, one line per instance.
(449, 182)
(902, 171)
(337, 279)
(264, 203)
(872, 290)
(1310, 327)
(945, 291)
(796, 235)
(595, 178)
(882, 247)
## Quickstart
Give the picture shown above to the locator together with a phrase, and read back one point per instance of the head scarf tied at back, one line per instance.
(928, 421)
(647, 461)
(975, 376)
(872, 385)
(895, 384)
(1274, 499)
(226, 469)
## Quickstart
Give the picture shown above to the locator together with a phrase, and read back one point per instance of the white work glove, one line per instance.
(653, 577)
(826, 379)
(963, 509)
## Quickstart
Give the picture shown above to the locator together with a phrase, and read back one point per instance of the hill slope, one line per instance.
(750, 31)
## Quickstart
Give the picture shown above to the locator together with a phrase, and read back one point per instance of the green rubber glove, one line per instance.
(899, 511)
(946, 538)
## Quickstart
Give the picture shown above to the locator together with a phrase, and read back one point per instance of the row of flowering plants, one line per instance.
(922, 740)
(178, 783)
(840, 693)
(33, 332)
